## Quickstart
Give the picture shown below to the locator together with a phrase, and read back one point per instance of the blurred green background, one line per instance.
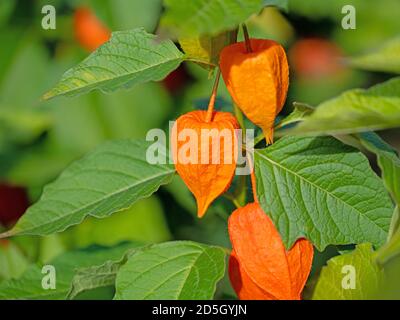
(39, 139)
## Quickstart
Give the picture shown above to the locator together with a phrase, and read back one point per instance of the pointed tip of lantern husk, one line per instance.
(202, 207)
(269, 135)
(201, 211)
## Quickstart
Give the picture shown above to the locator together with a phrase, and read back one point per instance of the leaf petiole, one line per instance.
(211, 104)
(247, 38)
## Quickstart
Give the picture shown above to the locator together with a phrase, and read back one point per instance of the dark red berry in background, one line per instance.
(13, 203)
(176, 80)
(315, 58)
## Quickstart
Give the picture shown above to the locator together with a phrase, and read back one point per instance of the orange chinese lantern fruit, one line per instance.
(258, 81)
(260, 268)
(243, 285)
(90, 32)
(205, 155)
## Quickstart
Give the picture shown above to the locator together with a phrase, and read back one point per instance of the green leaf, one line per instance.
(21, 126)
(388, 161)
(301, 110)
(143, 222)
(6, 8)
(283, 4)
(124, 15)
(129, 58)
(391, 249)
(390, 288)
(210, 17)
(199, 17)
(368, 276)
(23, 62)
(385, 58)
(321, 189)
(355, 111)
(110, 179)
(50, 247)
(12, 261)
(97, 117)
(395, 224)
(87, 279)
(93, 278)
(205, 50)
(173, 270)
(29, 285)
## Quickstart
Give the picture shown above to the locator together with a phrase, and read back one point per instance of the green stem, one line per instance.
(233, 199)
(239, 196)
(240, 192)
(211, 104)
(233, 36)
(239, 117)
(247, 38)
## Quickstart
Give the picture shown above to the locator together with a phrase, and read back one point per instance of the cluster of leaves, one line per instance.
(314, 181)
